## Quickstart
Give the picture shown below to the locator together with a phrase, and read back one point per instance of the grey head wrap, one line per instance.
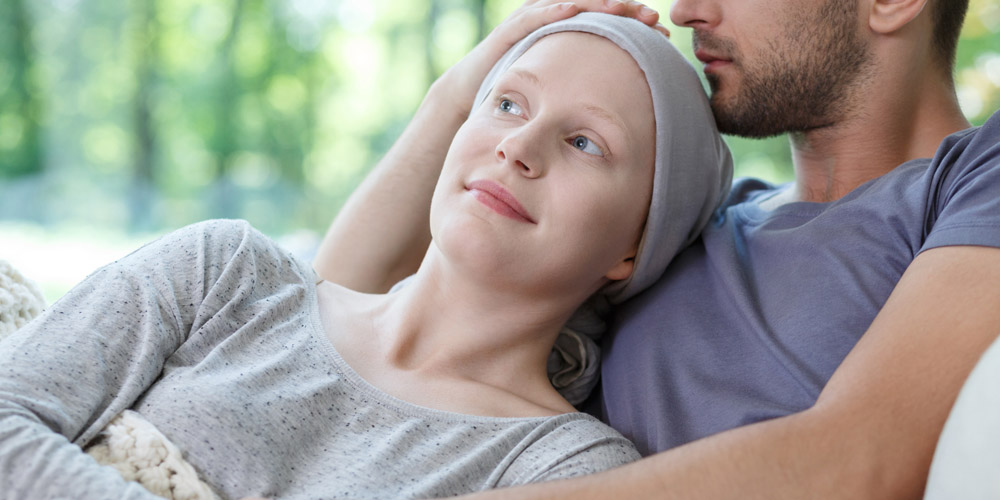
(693, 172)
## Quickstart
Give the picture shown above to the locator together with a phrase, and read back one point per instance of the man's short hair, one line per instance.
(948, 16)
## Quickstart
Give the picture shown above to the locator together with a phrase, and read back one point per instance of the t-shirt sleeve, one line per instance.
(93, 353)
(965, 197)
(576, 448)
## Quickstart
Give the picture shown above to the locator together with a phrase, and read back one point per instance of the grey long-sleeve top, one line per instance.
(212, 333)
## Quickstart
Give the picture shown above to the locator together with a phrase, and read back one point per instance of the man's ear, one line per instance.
(622, 270)
(889, 16)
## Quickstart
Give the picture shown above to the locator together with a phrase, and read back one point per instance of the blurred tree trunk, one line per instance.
(479, 11)
(145, 40)
(25, 102)
(478, 8)
(433, 11)
(226, 137)
(293, 160)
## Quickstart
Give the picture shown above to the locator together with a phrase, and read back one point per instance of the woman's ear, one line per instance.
(889, 16)
(622, 270)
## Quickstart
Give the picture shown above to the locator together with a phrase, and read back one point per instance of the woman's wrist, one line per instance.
(449, 95)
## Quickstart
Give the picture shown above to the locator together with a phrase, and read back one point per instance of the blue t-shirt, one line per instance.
(750, 322)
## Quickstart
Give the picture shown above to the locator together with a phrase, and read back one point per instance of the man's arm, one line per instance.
(873, 431)
(382, 233)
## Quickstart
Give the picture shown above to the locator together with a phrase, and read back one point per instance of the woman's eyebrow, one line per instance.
(607, 116)
(592, 109)
(527, 75)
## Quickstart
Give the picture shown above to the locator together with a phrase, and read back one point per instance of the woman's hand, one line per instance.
(462, 80)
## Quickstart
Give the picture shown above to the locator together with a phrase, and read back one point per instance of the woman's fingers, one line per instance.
(526, 19)
(638, 11)
(628, 8)
(461, 81)
(534, 14)
(643, 13)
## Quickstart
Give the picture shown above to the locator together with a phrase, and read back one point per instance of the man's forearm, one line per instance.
(874, 428)
(782, 458)
(382, 232)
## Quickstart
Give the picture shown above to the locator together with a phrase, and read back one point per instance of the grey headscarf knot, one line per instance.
(693, 172)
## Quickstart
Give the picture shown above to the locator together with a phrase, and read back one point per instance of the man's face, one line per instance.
(777, 67)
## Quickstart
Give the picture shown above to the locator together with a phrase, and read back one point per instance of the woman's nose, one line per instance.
(519, 152)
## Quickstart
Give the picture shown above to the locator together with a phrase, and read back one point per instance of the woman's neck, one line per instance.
(444, 335)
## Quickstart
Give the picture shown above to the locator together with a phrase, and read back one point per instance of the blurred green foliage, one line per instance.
(146, 115)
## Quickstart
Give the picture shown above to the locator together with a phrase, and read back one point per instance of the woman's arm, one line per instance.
(65, 375)
(382, 233)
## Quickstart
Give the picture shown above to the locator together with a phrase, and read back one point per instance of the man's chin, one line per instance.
(745, 124)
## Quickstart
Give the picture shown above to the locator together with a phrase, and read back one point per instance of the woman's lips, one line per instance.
(500, 200)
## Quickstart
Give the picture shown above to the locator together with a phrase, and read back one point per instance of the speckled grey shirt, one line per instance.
(212, 333)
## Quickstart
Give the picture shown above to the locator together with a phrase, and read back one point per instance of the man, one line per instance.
(812, 342)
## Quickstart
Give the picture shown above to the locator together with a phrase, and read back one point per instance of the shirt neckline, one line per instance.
(400, 405)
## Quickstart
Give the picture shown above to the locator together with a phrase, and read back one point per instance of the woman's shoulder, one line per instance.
(570, 445)
(226, 239)
(220, 234)
(222, 250)
(578, 427)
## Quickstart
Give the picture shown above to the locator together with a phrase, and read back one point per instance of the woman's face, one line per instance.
(546, 186)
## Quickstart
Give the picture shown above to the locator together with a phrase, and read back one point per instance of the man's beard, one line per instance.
(804, 82)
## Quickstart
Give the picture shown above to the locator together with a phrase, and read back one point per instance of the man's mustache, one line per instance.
(722, 48)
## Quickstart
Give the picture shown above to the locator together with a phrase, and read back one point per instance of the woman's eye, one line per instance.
(509, 106)
(586, 145)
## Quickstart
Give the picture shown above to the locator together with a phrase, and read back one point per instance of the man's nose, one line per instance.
(696, 13)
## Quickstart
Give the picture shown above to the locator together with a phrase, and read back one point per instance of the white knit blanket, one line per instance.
(142, 454)
(20, 299)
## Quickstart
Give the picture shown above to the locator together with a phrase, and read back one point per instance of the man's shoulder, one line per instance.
(990, 128)
(980, 144)
(967, 156)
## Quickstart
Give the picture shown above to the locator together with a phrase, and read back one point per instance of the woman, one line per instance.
(590, 159)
